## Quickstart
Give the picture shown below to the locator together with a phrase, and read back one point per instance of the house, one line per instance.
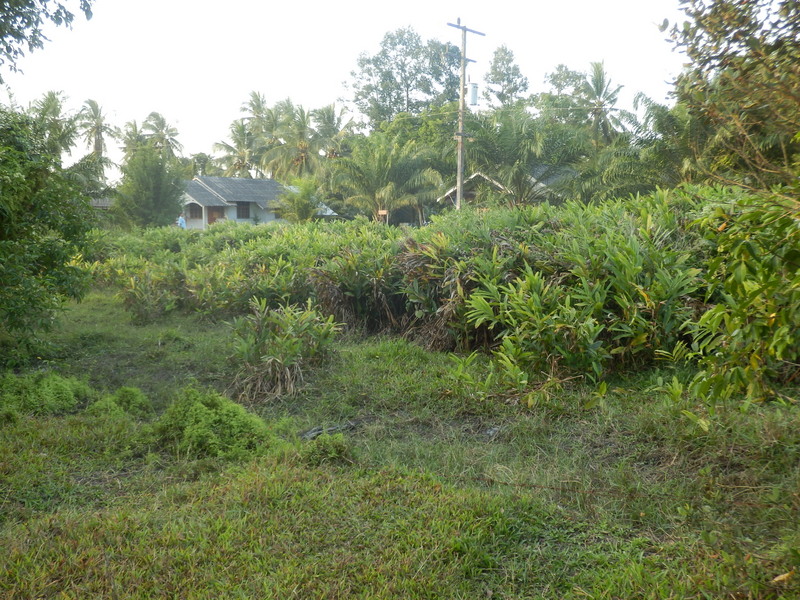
(211, 199)
(207, 200)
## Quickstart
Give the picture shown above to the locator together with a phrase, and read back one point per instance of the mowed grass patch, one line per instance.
(281, 531)
(80, 461)
(382, 376)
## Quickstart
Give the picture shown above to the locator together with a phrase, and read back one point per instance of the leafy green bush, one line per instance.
(43, 224)
(750, 336)
(126, 400)
(42, 394)
(562, 290)
(273, 346)
(201, 424)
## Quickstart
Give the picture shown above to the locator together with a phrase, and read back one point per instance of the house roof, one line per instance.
(226, 191)
(495, 183)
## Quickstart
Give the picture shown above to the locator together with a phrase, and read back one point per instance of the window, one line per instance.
(242, 210)
(195, 211)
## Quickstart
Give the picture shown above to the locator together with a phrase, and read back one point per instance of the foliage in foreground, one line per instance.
(43, 224)
(206, 424)
(41, 394)
(750, 339)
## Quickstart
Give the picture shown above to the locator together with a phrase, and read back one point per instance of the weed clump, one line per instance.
(42, 394)
(200, 424)
(327, 448)
(125, 401)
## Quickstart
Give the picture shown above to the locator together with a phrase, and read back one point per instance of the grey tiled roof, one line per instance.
(225, 191)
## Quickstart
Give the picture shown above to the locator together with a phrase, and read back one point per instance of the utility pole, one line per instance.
(461, 103)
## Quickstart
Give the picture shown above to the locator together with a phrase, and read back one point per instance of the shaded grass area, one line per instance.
(429, 492)
(96, 340)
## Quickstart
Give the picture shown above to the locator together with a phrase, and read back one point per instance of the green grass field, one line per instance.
(420, 488)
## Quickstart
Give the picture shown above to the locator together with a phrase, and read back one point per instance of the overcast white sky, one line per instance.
(196, 62)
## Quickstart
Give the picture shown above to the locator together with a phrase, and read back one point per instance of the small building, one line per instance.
(211, 199)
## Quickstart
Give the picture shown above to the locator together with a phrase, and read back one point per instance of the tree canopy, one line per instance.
(405, 76)
(744, 81)
(44, 220)
(22, 23)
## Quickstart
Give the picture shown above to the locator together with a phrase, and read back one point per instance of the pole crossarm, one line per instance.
(461, 104)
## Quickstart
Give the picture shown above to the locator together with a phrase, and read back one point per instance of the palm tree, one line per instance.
(263, 121)
(508, 146)
(300, 204)
(382, 175)
(161, 135)
(240, 155)
(133, 138)
(298, 152)
(333, 129)
(60, 129)
(599, 97)
(92, 124)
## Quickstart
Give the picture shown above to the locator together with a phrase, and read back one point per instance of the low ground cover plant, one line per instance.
(202, 424)
(42, 393)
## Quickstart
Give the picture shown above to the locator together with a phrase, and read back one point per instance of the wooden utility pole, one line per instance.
(461, 106)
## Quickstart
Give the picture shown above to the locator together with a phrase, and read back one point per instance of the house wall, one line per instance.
(257, 215)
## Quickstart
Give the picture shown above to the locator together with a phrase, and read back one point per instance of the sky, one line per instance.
(196, 62)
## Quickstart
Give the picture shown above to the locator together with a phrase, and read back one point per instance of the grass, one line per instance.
(428, 492)
(98, 342)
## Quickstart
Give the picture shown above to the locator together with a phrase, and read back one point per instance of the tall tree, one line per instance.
(151, 189)
(22, 23)
(298, 152)
(265, 121)
(44, 220)
(240, 155)
(91, 122)
(599, 96)
(505, 83)
(132, 139)
(405, 76)
(560, 103)
(444, 71)
(744, 80)
(161, 135)
(508, 147)
(58, 125)
(333, 127)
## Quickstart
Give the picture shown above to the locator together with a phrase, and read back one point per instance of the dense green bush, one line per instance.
(42, 394)
(326, 449)
(202, 424)
(43, 223)
(568, 290)
(750, 337)
(126, 400)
